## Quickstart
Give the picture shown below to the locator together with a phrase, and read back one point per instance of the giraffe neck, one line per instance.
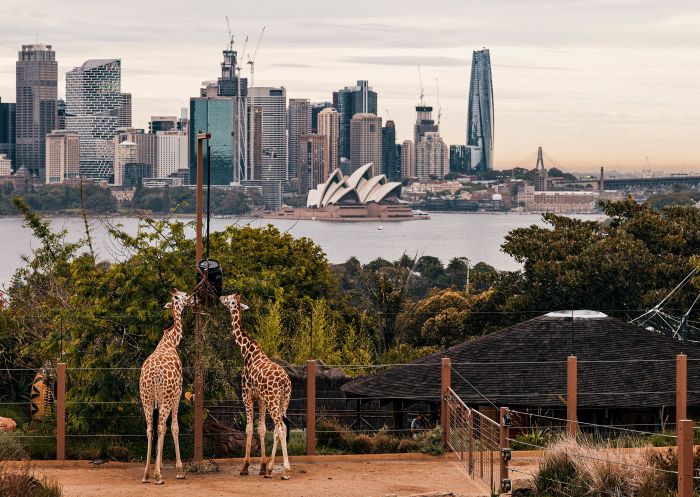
(249, 347)
(173, 335)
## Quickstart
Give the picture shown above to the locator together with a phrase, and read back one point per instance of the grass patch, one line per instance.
(202, 467)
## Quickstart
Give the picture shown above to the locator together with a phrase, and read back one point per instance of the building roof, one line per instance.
(359, 187)
(619, 366)
(94, 63)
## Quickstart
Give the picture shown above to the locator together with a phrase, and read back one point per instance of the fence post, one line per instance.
(571, 396)
(681, 386)
(685, 458)
(310, 407)
(504, 445)
(445, 377)
(61, 412)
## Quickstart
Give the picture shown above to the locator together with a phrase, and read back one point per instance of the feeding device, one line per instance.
(211, 270)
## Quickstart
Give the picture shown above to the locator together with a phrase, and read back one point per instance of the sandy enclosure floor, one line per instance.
(346, 476)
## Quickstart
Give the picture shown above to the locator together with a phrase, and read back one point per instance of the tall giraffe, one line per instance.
(266, 382)
(160, 387)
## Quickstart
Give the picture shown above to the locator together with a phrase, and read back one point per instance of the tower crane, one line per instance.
(230, 35)
(420, 81)
(251, 60)
(437, 89)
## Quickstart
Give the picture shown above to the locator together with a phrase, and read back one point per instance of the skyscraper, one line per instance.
(480, 126)
(147, 145)
(172, 153)
(8, 117)
(37, 92)
(408, 159)
(124, 120)
(228, 83)
(329, 126)
(391, 166)
(273, 143)
(60, 114)
(351, 100)
(366, 142)
(62, 156)
(316, 109)
(313, 161)
(213, 115)
(459, 159)
(93, 104)
(431, 157)
(162, 123)
(424, 122)
(299, 124)
(125, 153)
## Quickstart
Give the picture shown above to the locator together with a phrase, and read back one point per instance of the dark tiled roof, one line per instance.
(619, 365)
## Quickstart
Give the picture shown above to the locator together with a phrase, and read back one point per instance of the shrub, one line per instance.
(430, 442)
(362, 444)
(385, 443)
(23, 483)
(536, 437)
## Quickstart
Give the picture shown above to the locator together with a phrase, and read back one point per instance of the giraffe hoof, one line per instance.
(244, 472)
(284, 477)
(146, 480)
(268, 475)
(159, 482)
(180, 476)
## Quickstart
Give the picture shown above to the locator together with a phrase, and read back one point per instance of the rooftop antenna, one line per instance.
(251, 60)
(420, 81)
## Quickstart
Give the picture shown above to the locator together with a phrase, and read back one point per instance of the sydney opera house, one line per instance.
(358, 197)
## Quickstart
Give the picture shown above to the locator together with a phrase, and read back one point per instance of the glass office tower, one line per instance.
(213, 115)
(480, 128)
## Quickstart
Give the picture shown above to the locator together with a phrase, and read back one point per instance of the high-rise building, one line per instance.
(391, 165)
(424, 122)
(408, 159)
(8, 118)
(273, 132)
(213, 115)
(124, 118)
(328, 123)
(351, 100)
(228, 83)
(459, 159)
(162, 123)
(93, 103)
(316, 109)
(299, 124)
(172, 153)
(313, 161)
(62, 156)
(431, 157)
(541, 177)
(37, 92)
(480, 125)
(147, 145)
(125, 153)
(5, 165)
(60, 114)
(366, 142)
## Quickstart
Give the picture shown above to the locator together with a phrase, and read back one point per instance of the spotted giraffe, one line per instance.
(160, 386)
(266, 382)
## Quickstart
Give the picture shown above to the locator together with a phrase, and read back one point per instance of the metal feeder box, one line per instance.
(215, 276)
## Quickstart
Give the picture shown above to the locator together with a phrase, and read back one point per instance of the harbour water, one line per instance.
(446, 235)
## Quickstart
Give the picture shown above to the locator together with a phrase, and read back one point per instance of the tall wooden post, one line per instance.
(685, 457)
(681, 386)
(310, 407)
(504, 444)
(61, 412)
(445, 376)
(571, 396)
(198, 380)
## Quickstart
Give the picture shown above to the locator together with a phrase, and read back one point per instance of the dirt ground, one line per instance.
(321, 476)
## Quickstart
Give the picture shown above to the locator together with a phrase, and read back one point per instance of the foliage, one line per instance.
(223, 201)
(55, 198)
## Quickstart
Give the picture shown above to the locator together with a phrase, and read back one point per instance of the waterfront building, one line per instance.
(391, 165)
(313, 161)
(162, 123)
(93, 105)
(8, 118)
(351, 100)
(62, 156)
(408, 159)
(299, 124)
(5, 165)
(172, 153)
(124, 117)
(480, 118)
(316, 109)
(431, 157)
(37, 93)
(329, 126)
(125, 153)
(366, 142)
(459, 159)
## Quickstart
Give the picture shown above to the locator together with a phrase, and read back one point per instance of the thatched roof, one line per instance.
(619, 366)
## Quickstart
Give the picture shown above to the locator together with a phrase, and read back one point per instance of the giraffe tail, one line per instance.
(155, 423)
(287, 425)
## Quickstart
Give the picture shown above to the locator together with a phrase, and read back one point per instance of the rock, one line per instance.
(226, 441)
(7, 424)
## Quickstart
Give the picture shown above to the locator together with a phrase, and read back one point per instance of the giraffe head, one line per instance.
(179, 301)
(233, 302)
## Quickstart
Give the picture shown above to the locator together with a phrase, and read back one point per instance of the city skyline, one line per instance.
(600, 83)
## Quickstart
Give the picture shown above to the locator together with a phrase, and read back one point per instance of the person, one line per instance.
(418, 425)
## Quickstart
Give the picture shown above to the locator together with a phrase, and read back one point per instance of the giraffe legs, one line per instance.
(248, 431)
(148, 410)
(162, 418)
(262, 429)
(175, 429)
(281, 436)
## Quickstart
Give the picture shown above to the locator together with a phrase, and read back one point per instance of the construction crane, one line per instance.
(251, 60)
(437, 90)
(420, 82)
(230, 35)
(388, 116)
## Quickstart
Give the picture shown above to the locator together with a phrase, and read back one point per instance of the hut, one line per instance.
(626, 374)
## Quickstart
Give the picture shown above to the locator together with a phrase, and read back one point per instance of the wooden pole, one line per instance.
(685, 458)
(310, 407)
(681, 386)
(61, 412)
(445, 376)
(571, 396)
(503, 442)
(198, 380)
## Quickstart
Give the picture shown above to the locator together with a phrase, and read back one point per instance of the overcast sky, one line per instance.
(594, 82)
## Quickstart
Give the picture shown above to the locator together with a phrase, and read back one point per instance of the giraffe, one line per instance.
(266, 382)
(160, 387)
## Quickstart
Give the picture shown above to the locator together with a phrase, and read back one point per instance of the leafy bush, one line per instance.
(532, 440)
